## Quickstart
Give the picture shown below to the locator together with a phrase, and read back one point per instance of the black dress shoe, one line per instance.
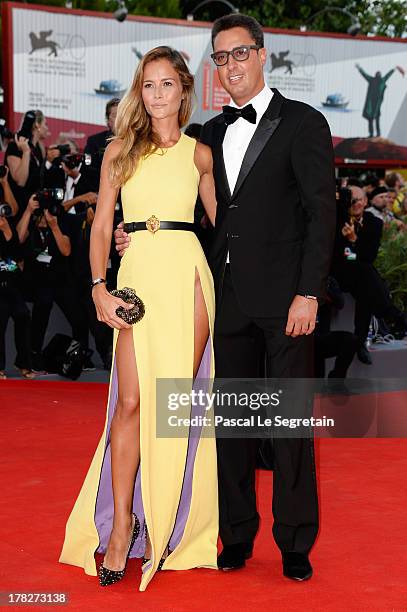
(248, 553)
(296, 566)
(234, 557)
(364, 355)
(88, 365)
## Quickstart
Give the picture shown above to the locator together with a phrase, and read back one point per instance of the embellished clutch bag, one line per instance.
(132, 315)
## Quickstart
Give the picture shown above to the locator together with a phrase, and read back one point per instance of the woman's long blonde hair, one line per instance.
(133, 124)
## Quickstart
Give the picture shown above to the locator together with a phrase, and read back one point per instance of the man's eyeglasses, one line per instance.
(240, 54)
(356, 200)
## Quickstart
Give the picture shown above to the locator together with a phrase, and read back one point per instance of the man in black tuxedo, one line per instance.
(272, 244)
(97, 143)
(81, 184)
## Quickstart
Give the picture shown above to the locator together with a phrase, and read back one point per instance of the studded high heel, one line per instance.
(108, 576)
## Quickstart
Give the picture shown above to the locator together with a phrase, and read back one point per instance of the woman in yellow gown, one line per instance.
(144, 495)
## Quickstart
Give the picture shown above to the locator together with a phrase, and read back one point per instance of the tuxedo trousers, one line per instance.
(241, 344)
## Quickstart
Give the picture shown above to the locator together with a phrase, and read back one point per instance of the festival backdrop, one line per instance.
(70, 63)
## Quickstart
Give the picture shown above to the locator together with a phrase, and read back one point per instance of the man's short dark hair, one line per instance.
(235, 20)
(353, 181)
(111, 104)
(371, 179)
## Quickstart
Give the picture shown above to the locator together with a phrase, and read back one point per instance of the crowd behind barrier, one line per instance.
(48, 197)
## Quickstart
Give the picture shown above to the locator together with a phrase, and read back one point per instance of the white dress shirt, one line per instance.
(238, 136)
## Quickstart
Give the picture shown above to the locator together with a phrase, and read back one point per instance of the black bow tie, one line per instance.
(232, 114)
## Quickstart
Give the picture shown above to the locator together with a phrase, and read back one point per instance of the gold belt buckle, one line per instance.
(153, 224)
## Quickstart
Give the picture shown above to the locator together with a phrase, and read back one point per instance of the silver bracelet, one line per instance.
(97, 281)
(310, 297)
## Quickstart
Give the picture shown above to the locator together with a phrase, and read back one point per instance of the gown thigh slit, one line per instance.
(206, 332)
(175, 492)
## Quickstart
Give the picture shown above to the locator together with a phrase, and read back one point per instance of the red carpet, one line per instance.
(49, 434)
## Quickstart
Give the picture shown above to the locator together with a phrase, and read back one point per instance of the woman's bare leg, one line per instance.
(201, 323)
(125, 449)
(201, 334)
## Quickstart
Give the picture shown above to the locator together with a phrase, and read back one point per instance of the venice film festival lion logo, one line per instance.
(41, 42)
(281, 61)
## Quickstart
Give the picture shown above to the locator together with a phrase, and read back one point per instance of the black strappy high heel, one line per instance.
(108, 576)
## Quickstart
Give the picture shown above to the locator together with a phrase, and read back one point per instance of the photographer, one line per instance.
(81, 183)
(97, 143)
(11, 300)
(6, 195)
(72, 172)
(357, 243)
(54, 175)
(360, 232)
(6, 135)
(45, 231)
(25, 157)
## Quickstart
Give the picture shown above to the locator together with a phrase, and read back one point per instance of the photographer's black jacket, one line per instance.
(279, 223)
(10, 254)
(88, 181)
(35, 175)
(96, 145)
(366, 247)
(40, 240)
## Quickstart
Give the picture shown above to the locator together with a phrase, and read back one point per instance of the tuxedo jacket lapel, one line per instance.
(218, 159)
(266, 128)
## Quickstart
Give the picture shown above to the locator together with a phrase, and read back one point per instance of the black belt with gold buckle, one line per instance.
(153, 225)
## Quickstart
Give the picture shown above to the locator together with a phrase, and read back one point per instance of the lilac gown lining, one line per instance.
(104, 501)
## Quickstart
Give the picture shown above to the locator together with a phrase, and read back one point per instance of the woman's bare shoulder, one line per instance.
(113, 148)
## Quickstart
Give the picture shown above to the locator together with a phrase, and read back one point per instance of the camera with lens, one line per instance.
(27, 125)
(5, 210)
(74, 160)
(4, 131)
(50, 199)
(64, 149)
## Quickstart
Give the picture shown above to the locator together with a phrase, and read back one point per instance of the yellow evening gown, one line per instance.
(175, 494)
